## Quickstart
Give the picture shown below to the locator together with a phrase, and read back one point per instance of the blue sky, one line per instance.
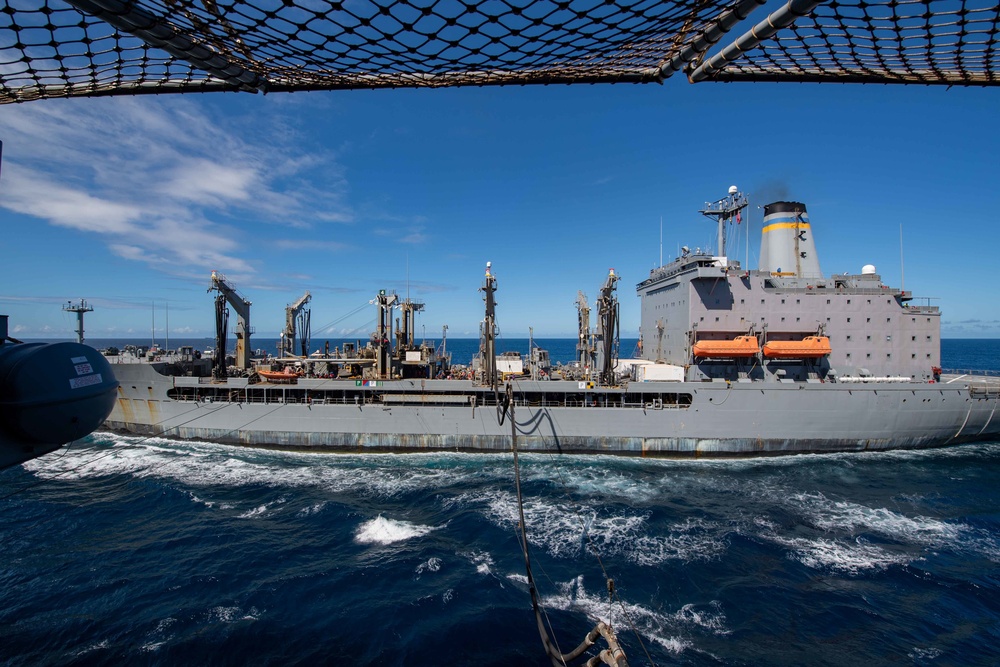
(130, 202)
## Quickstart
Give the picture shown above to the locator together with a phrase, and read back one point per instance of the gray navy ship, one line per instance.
(732, 362)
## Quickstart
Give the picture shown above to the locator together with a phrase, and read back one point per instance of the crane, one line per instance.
(228, 294)
(607, 329)
(296, 313)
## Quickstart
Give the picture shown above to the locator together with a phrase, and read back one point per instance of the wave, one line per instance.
(672, 631)
(389, 531)
(566, 530)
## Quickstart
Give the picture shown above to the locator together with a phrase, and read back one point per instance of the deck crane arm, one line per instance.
(607, 329)
(242, 307)
(295, 312)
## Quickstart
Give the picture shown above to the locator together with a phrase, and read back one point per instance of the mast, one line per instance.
(79, 309)
(488, 330)
(724, 211)
(584, 346)
(444, 341)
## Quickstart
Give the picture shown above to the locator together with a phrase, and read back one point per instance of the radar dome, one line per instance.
(733, 189)
(868, 270)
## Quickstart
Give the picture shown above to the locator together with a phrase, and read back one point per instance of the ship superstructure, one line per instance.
(734, 362)
(784, 320)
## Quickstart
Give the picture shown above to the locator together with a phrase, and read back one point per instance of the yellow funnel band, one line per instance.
(786, 225)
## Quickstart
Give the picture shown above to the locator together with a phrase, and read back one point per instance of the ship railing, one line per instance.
(975, 372)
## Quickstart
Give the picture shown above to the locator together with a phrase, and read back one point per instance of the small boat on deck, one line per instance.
(739, 347)
(810, 347)
(284, 376)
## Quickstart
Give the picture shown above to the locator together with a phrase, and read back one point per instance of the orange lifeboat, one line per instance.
(810, 347)
(283, 376)
(741, 346)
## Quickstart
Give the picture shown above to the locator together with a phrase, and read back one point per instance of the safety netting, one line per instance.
(951, 42)
(62, 48)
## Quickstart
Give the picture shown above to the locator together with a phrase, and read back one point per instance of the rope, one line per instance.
(614, 655)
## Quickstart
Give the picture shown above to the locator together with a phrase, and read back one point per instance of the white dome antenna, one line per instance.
(733, 189)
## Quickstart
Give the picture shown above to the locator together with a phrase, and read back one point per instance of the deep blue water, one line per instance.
(152, 551)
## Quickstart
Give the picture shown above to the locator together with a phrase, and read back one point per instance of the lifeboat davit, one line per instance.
(739, 347)
(284, 376)
(810, 347)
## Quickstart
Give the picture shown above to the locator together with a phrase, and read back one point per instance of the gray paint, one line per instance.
(872, 327)
(725, 407)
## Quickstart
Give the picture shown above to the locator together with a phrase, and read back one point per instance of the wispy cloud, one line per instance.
(416, 236)
(413, 235)
(163, 181)
(309, 244)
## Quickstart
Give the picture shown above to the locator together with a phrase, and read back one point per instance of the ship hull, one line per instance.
(706, 419)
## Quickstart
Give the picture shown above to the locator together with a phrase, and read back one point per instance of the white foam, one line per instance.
(855, 517)
(675, 645)
(481, 559)
(261, 510)
(565, 530)
(315, 509)
(212, 465)
(601, 480)
(257, 511)
(388, 531)
(656, 626)
(433, 564)
(919, 654)
(712, 619)
(232, 614)
(689, 541)
(838, 555)
(101, 645)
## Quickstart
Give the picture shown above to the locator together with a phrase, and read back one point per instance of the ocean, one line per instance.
(154, 551)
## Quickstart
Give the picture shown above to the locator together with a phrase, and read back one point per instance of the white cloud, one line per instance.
(308, 244)
(203, 181)
(34, 194)
(415, 237)
(163, 181)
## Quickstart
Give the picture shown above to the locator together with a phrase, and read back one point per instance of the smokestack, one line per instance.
(786, 245)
